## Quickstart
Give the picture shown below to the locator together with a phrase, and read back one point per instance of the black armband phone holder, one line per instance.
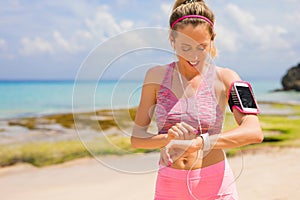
(241, 98)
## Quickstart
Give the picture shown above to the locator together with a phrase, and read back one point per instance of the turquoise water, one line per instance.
(33, 98)
(264, 91)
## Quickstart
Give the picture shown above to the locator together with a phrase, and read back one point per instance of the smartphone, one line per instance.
(243, 97)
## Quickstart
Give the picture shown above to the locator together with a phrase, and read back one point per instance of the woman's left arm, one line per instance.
(248, 131)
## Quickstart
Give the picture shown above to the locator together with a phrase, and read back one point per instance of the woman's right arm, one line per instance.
(141, 138)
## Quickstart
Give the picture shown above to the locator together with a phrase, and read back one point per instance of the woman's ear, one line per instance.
(172, 42)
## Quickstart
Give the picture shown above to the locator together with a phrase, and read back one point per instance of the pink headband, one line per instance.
(193, 16)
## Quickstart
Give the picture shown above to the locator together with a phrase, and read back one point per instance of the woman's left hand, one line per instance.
(176, 148)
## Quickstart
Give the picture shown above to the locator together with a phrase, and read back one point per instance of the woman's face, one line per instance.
(192, 44)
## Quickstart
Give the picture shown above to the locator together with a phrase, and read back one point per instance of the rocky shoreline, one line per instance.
(64, 126)
(68, 126)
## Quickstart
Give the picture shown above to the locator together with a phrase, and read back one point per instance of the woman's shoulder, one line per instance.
(227, 75)
(156, 74)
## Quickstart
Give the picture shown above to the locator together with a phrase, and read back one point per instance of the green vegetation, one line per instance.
(41, 153)
(48, 153)
(280, 130)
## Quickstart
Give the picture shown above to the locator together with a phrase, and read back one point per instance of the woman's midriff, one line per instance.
(195, 161)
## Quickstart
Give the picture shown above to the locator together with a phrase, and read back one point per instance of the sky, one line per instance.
(52, 40)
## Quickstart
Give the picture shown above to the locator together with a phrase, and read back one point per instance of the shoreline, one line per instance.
(89, 111)
(79, 111)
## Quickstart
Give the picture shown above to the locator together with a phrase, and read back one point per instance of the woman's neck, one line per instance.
(188, 72)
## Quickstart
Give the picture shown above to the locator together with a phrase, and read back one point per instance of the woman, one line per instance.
(189, 98)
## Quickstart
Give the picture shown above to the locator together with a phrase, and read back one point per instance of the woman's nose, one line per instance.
(194, 55)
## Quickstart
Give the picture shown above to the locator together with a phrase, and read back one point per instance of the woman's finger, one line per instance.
(182, 128)
(189, 128)
(166, 156)
(172, 134)
(179, 132)
(163, 157)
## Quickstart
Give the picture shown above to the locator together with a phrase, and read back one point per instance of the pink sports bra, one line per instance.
(202, 107)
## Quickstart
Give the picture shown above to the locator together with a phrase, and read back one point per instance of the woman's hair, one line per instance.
(183, 8)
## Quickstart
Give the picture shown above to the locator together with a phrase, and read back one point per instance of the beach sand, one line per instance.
(272, 174)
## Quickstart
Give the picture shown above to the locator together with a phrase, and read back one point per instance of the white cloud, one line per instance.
(293, 17)
(166, 8)
(226, 39)
(95, 29)
(161, 16)
(2, 44)
(35, 46)
(62, 42)
(4, 50)
(126, 24)
(71, 45)
(79, 41)
(98, 28)
(103, 24)
(263, 36)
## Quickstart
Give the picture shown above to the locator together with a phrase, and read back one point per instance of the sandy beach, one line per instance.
(271, 174)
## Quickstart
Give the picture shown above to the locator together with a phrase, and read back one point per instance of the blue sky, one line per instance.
(51, 39)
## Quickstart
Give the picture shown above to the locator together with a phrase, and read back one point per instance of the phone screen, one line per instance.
(246, 97)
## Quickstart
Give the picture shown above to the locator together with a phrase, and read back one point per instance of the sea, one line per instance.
(36, 98)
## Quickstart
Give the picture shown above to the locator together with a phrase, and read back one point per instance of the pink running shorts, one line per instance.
(208, 183)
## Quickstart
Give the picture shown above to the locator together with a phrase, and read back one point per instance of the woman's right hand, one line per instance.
(169, 155)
